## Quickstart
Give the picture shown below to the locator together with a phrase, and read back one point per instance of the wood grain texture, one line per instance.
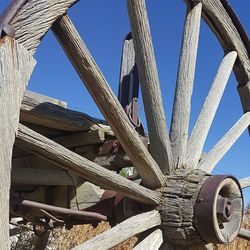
(152, 242)
(221, 24)
(50, 150)
(122, 231)
(35, 18)
(244, 234)
(208, 111)
(16, 66)
(213, 157)
(107, 102)
(245, 182)
(150, 86)
(46, 113)
(184, 84)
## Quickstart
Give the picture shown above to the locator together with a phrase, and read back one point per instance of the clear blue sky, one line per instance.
(103, 26)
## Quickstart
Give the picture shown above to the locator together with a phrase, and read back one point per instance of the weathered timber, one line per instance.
(45, 177)
(226, 142)
(244, 234)
(151, 242)
(206, 116)
(130, 227)
(245, 182)
(244, 93)
(98, 87)
(177, 207)
(50, 150)
(16, 66)
(159, 139)
(48, 114)
(184, 84)
(34, 20)
(222, 25)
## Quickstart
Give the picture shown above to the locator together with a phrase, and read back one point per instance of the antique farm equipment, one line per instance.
(59, 161)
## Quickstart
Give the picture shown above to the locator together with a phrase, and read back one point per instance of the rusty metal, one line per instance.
(204, 211)
(64, 212)
(8, 15)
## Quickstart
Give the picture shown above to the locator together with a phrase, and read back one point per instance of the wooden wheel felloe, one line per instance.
(177, 185)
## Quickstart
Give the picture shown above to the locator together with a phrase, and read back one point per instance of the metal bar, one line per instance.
(8, 15)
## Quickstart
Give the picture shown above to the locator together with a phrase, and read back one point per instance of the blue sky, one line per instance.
(103, 26)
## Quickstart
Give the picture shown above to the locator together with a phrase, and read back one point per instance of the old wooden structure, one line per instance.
(61, 167)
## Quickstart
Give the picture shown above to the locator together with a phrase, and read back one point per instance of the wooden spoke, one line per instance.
(245, 182)
(122, 231)
(206, 116)
(152, 242)
(54, 152)
(160, 146)
(244, 234)
(107, 102)
(184, 84)
(16, 66)
(220, 149)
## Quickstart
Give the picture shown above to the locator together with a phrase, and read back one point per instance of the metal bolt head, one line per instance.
(224, 209)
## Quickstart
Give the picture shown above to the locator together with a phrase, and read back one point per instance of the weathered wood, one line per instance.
(184, 84)
(44, 177)
(150, 86)
(122, 231)
(50, 150)
(177, 207)
(48, 114)
(16, 66)
(213, 157)
(222, 25)
(152, 242)
(35, 19)
(244, 93)
(98, 87)
(244, 234)
(206, 116)
(245, 182)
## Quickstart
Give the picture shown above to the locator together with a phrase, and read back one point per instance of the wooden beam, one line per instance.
(159, 139)
(48, 114)
(59, 155)
(219, 150)
(151, 242)
(208, 111)
(38, 176)
(245, 182)
(16, 66)
(184, 84)
(129, 228)
(244, 234)
(34, 20)
(107, 102)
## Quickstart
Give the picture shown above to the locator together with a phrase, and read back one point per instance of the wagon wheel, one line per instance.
(178, 192)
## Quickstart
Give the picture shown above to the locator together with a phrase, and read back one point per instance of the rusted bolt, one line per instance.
(224, 209)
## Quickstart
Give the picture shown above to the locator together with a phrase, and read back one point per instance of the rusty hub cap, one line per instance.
(219, 209)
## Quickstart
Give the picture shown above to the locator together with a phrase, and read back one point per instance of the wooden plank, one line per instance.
(150, 86)
(152, 242)
(244, 234)
(122, 231)
(227, 141)
(107, 102)
(208, 111)
(16, 66)
(47, 114)
(34, 20)
(184, 84)
(245, 182)
(44, 177)
(50, 150)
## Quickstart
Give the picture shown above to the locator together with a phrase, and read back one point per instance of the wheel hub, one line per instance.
(198, 208)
